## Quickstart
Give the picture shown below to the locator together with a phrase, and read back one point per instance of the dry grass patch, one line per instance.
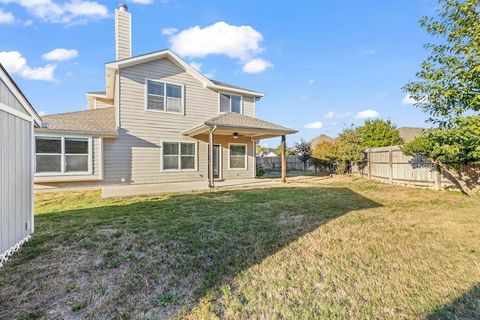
(327, 249)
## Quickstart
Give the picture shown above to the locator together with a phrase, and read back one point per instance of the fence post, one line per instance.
(390, 166)
(438, 177)
(369, 165)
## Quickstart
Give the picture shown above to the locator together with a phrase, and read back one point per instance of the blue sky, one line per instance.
(322, 65)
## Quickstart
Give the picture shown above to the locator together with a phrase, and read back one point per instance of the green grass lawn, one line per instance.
(326, 249)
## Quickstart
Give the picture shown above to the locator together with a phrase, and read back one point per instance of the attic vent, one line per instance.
(44, 124)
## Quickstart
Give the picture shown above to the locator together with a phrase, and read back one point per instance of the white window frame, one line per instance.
(182, 102)
(63, 155)
(179, 156)
(230, 156)
(230, 94)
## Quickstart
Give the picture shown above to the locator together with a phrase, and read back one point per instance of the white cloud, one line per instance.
(142, 1)
(169, 31)
(311, 82)
(211, 73)
(196, 65)
(60, 54)
(333, 114)
(6, 17)
(15, 63)
(408, 100)
(367, 114)
(314, 125)
(238, 42)
(257, 65)
(41, 113)
(74, 11)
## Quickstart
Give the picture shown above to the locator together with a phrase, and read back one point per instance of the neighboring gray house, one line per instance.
(409, 133)
(154, 123)
(17, 119)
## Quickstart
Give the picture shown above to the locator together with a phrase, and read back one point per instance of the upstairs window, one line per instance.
(164, 97)
(230, 103)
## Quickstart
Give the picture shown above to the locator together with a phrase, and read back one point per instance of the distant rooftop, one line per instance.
(409, 133)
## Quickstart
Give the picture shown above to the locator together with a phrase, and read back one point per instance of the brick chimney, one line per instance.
(123, 32)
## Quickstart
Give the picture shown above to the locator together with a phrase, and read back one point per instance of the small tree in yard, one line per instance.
(348, 149)
(324, 154)
(304, 152)
(450, 147)
(379, 133)
(448, 88)
(288, 151)
(448, 82)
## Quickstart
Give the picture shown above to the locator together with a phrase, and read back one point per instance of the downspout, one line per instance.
(211, 141)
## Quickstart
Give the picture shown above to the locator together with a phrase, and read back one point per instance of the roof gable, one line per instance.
(168, 54)
(15, 90)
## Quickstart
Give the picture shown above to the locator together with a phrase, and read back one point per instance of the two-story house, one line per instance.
(154, 123)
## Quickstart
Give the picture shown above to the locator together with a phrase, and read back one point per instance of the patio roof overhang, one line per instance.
(233, 123)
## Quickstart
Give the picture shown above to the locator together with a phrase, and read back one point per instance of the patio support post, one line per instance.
(284, 160)
(211, 141)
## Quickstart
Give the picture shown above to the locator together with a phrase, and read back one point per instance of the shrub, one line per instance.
(260, 171)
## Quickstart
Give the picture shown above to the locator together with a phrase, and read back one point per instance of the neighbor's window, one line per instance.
(238, 156)
(179, 156)
(230, 103)
(165, 97)
(61, 155)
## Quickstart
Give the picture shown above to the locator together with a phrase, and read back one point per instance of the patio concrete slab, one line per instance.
(173, 187)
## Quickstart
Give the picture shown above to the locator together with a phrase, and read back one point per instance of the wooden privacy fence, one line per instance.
(391, 165)
(274, 163)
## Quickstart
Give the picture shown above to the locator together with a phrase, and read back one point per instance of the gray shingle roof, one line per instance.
(240, 121)
(96, 121)
(223, 84)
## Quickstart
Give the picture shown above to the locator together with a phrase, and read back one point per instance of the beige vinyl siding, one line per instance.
(62, 179)
(135, 155)
(15, 177)
(249, 106)
(7, 98)
(102, 103)
(123, 34)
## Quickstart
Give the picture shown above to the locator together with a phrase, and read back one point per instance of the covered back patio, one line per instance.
(231, 128)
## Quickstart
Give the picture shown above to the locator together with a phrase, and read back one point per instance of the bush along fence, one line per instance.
(391, 165)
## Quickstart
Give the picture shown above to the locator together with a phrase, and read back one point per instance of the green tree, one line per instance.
(324, 154)
(259, 149)
(450, 147)
(288, 152)
(348, 149)
(379, 133)
(448, 83)
(304, 152)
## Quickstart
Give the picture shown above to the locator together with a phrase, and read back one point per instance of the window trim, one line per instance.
(230, 156)
(63, 155)
(230, 94)
(179, 156)
(182, 86)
